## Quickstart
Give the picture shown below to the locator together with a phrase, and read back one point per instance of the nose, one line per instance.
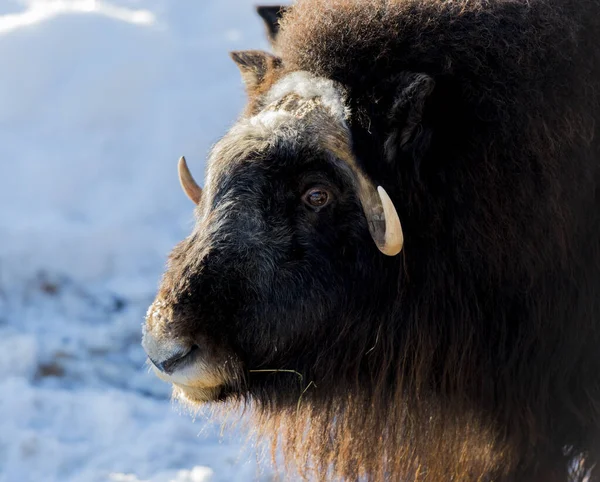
(167, 355)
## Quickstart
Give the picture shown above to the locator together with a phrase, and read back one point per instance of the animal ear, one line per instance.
(254, 66)
(271, 14)
(406, 114)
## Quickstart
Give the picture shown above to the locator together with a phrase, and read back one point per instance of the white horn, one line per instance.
(193, 191)
(394, 238)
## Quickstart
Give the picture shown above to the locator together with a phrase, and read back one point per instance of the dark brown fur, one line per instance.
(474, 355)
(528, 72)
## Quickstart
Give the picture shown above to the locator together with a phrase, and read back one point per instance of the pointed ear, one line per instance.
(254, 66)
(406, 114)
(271, 14)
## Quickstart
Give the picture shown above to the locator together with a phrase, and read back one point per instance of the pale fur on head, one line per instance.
(307, 88)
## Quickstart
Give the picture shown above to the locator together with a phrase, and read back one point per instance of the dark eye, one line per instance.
(316, 197)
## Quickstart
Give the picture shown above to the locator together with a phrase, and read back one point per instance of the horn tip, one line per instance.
(192, 190)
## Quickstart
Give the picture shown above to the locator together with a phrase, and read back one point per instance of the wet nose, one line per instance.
(167, 355)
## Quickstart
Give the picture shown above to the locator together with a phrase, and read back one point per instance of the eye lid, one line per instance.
(318, 179)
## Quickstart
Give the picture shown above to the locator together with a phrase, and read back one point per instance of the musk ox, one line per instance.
(396, 260)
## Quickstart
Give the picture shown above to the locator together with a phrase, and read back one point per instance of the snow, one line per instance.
(41, 10)
(98, 99)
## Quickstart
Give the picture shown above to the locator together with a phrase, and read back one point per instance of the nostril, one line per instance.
(170, 364)
(167, 355)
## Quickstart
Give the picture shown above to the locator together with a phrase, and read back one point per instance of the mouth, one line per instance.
(199, 374)
(195, 380)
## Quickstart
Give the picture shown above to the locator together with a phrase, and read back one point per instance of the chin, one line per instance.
(195, 396)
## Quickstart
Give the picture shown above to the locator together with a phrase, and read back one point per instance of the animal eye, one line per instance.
(316, 197)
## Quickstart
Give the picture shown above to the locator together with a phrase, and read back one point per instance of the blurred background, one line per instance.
(98, 99)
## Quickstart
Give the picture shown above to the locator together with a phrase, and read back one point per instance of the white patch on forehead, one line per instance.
(309, 86)
(271, 119)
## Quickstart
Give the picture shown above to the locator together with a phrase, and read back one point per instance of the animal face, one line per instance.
(282, 254)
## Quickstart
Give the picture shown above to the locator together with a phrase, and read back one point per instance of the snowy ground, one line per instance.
(98, 99)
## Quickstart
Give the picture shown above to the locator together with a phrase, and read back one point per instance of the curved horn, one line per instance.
(193, 191)
(393, 237)
(382, 218)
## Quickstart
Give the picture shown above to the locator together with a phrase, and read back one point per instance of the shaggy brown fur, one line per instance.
(475, 354)
(497, 372)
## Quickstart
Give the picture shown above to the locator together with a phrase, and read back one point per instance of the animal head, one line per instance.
(295, 246)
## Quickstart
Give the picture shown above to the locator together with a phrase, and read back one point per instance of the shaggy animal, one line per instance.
(396, 260)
